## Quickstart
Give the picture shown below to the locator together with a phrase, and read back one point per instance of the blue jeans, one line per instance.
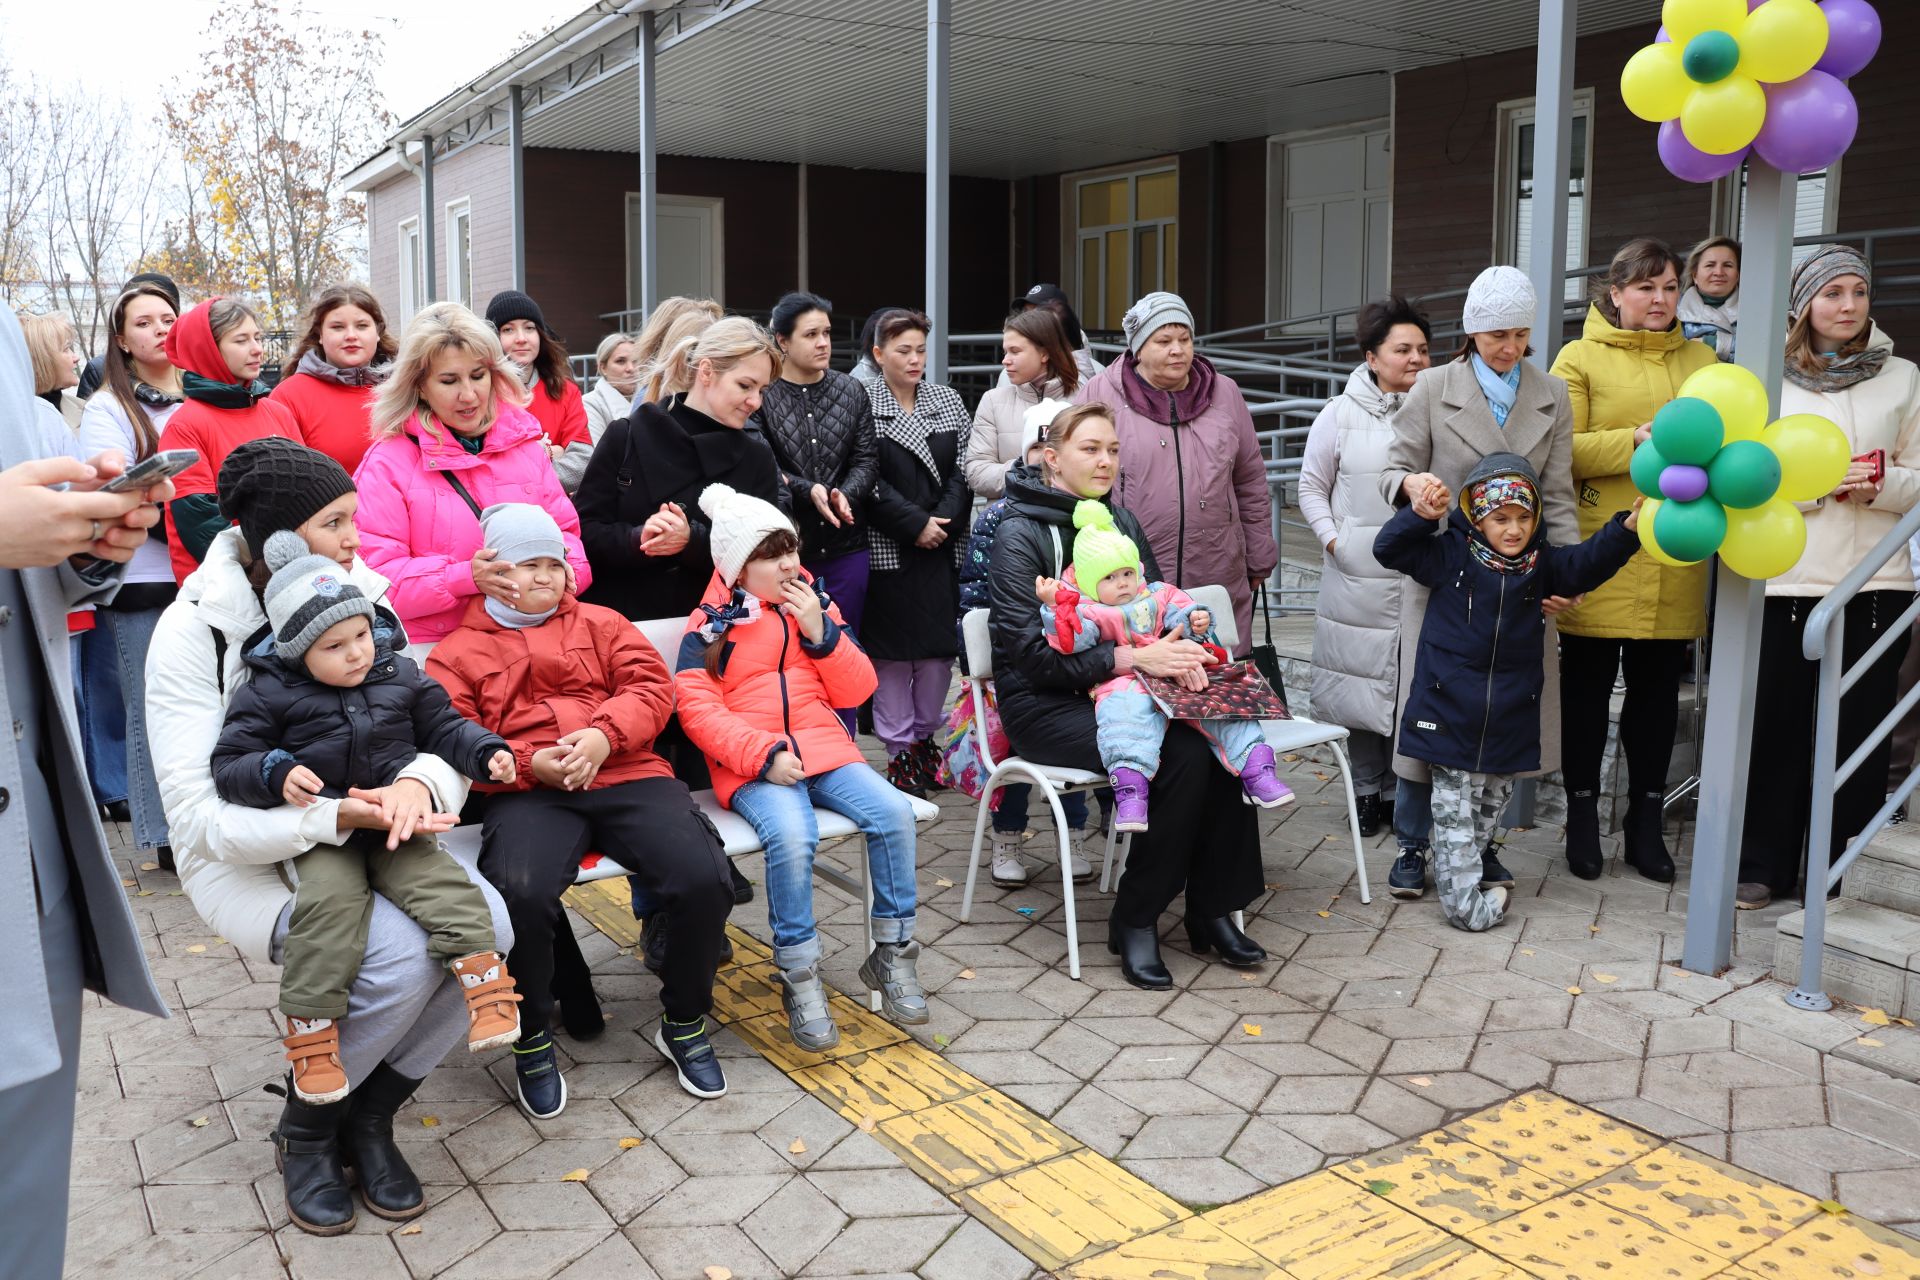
(129, 633)
(1011, 817)
(784, 820)
(103, 715)
(1412, 814)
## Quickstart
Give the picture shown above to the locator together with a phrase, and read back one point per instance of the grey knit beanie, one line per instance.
(1146, 316)
(1821, 268)
(306, 595)
(521, 531)
(1499, 298)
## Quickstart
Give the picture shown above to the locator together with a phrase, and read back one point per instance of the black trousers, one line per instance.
(1649, 715)
(1780, 766)
(531, 849)
(1205, 839)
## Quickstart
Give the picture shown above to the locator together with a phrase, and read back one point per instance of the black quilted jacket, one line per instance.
(823, 434)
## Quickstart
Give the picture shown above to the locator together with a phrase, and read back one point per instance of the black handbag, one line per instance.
(1265, 657)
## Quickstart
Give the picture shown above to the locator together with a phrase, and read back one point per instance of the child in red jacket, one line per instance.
(763, 665)
(579, 695)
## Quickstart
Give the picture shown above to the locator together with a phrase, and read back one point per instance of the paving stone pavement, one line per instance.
(1373, 1023)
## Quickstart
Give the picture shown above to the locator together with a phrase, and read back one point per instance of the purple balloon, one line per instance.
(1683, 483)
(1688, 162)
(1661, 36)
(1810, 123)
(1853, 37)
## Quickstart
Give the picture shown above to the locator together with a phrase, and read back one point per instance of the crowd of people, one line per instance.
(395, 592)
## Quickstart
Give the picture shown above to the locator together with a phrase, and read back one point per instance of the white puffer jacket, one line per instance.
(1000, 438)
(1356, 629)
(1881, 413)
(231, 857)
(604, 404)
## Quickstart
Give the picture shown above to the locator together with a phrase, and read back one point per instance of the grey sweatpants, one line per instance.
(404, 1008)
(1466, 809)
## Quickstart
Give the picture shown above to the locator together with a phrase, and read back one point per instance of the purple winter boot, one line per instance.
(1130, 799)
(1261, 783)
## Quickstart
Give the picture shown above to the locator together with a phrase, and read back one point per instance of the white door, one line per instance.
(1330, 221)
(692, 252)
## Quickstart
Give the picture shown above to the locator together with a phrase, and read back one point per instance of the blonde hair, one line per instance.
(723, 344)
(655, 336)
(1068, 421)
(608, 345)
(48, 337)
(435, 330)
(654, 385)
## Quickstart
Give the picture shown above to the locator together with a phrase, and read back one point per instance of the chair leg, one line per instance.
(1108, 872)
(973, 858)
(1353, 819)
(866, 898)
(1066, 877)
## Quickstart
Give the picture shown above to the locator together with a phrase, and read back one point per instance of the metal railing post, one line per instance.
(1826, 737)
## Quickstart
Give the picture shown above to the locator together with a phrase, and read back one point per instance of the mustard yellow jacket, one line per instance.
(1617, 379)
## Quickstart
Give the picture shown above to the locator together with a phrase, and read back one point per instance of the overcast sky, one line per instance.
(119, 47)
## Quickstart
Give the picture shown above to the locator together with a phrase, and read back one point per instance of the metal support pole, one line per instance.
(939, 45)
(1552, 159)
(802, 229)
(1767, 262)
(517, 179)
(647, 255)
(431, 278)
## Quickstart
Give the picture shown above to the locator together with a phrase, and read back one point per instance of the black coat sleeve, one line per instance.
(863, 458)
(1017, 634)
(1414, 546)
(607, 536)
(956, 499)
(895, 514)
(252, 733)
(439, 729)
(1587, 565)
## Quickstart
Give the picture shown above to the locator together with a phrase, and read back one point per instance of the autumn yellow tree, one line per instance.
(285, 107)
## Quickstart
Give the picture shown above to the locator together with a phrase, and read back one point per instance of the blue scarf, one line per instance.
(508, 616)
(1501, 389)
(740, 607)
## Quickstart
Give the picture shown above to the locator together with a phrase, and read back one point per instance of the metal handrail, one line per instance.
(1824, 642)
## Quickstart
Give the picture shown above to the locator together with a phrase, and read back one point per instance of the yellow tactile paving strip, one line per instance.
(1536, 1188)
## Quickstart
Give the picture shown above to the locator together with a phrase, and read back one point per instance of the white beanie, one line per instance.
(1036, 420)
(1149, 314)
(741, 522)
(307, 594)
(1500, 298)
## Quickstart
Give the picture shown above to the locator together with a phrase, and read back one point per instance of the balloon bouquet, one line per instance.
(1725, 79)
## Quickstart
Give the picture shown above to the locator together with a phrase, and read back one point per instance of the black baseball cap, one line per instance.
(1041, 294)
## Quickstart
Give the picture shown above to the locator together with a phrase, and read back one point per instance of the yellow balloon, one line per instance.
(1722, 118)
(1764, 541)
(1782, 40)
(1686, 19)
(1649, 511)
(1813, 452)
(1737, 393)
(1654, 85)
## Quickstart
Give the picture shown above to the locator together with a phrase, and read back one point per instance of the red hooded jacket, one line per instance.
(193, 517)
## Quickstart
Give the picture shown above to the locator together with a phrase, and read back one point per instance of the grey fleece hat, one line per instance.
(521, 531)
(306, 595)
(1821, 268)
(1151, 313)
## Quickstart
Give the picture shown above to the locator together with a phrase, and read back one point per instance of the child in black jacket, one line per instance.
(331, 708)
(1473, 710)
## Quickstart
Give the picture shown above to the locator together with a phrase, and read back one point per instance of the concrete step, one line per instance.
(1888, 872)
(1872, 954)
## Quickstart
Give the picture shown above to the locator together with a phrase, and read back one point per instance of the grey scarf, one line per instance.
(365, 375)
(1841, 371)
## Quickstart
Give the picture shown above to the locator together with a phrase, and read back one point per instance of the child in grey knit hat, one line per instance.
(330, 707)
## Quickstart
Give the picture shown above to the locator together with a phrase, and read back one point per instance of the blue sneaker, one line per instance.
(686, 1046)
(1493, 873)
(543, 1090)
(1408, 879)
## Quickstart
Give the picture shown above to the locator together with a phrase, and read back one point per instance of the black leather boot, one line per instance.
(1222, 935)
(306, 1147)
(1645, 838)
(742, 887)
(1139, 952)
(387, 1184)
(1583, 835)
(572, 987)
(1371, 819)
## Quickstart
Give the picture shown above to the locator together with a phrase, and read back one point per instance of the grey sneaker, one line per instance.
(805, 1001)
(890, 971)
(1751, 896)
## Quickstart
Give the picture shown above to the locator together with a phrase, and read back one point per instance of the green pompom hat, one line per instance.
(1099, 548)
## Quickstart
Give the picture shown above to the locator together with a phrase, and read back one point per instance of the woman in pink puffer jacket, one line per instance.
(450, 440)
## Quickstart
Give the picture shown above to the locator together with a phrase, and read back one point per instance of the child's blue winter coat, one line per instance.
(1475, 699)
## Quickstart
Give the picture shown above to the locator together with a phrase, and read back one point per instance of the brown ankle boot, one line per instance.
(318, 1077)
(492, 1019)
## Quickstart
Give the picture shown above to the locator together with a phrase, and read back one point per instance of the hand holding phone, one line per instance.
(1869, 470)
(151, 470)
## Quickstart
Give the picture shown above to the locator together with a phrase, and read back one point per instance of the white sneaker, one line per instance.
(1009, 872)
(1498, 895)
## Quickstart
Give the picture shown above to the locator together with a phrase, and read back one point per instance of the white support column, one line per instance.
(1767, 265)
(939, 45)
(429, 219)
(517, 179)
(1552, 158)
(649, 238)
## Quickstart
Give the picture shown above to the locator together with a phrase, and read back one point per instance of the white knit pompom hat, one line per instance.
(741, 522)
(1036, 420)
(1499, 298)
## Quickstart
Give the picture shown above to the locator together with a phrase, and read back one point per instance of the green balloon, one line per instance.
(1744, 475)
(1688, 430)
(1647, 464)
(1710, 57)
(1690, 530)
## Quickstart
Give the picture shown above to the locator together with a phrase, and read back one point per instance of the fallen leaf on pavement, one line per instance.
(968, 974)
(578, 1175)
(942, 1039)
(1875, 1017)
(1320, 775)
(628, 1144)
(199, 1122)
(1833, 1207)
(149, 866)
(1292, 757)
(943, 882)
(1605, 978)
(1251, 1028)
(1526, 951)
(1871, 1043)
(1593, 928)
(1573, 991)
(1424, 1082)
(865, 1124)
(717, 1273)
(1249, 977)
(144, 893)
(429, 1122)
(1324, 915)
(128, 884)
(413, 1230)
(1380, 1186)
(797, 1147)
(197, 949)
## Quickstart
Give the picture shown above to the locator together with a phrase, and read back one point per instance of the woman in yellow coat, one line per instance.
(1630, 361)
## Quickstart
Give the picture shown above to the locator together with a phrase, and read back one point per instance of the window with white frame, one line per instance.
(1127, 238)
(1513, 225)
(413, 293)
(460, 252)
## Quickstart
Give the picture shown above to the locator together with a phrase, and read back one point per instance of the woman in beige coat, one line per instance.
(1039, 365)
(1487, 399)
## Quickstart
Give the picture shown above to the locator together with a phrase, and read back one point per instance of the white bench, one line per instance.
(1054, 781)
